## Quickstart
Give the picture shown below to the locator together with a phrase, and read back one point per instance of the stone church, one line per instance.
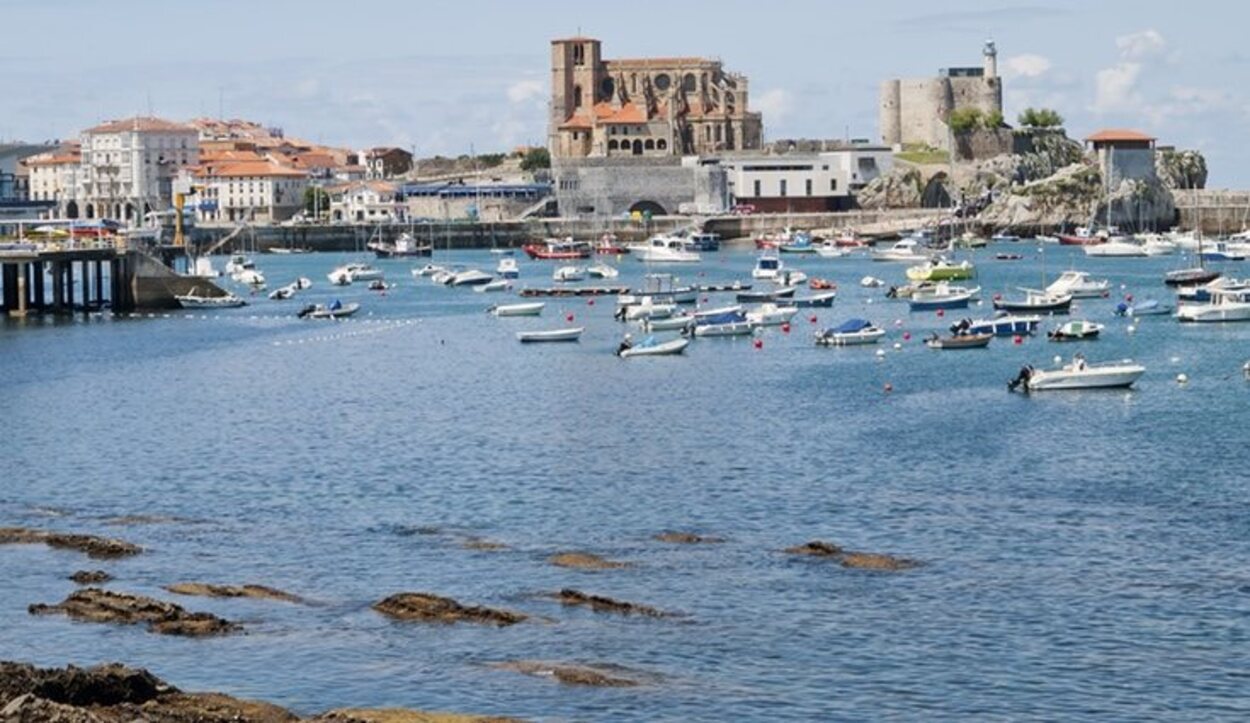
(648, 107)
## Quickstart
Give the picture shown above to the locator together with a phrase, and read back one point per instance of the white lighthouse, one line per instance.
(990, 59)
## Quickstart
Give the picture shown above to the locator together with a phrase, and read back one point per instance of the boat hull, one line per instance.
(557, 335)
(668, 348)
(1111, 377)
(535, 309)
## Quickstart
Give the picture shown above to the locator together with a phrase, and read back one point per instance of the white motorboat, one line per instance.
(569, 273)
(237, 263)
(1225, 305)
(335, 310)
(648, 309)
(202, 268)
(251, 277)
(653, 347)
(662, 288)
(871, 282)
(853, 332)
(676, 322)
(469, 277)
(507, 268)
(830, 250)
(908, 249)
(941, 296)
(664, 249)
(531, 308)
(602, 271)
(1077, 330)
(353, 272)
(1116, 247)
(770, 314)
(283, 292)
(724, 328)
(432, 269)
(493, 286)
(571, 334)
(1080, 285)
(193, 300)
(1036, 301)
(1004, 324)
(1156, 245)
(1079, 375)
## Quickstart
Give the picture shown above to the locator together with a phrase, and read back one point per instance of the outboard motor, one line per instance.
(892, 293)
(1021, 379)
(1121, 309)
(307, 310)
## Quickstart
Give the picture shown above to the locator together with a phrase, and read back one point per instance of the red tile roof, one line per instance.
(143, 124)
(604, 112)
(237, 169)
(1112, 135)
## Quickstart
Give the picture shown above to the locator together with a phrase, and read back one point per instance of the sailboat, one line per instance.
(1194, 275)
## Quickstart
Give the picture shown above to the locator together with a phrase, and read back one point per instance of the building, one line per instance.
(15, 188)
(128, 167)
(1123, 154)
(489, 202)
(914, 111)
(258, 190)
(645, 107)
(804, 182)
(382, 162)
(54, 175)
(366, 202)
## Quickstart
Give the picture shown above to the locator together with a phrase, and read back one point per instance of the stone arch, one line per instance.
(129, 212)
(689, 83)
(638, 147)
(661, 145)
(647, 206)
(613, 145)
(71, 209)
(90, 211)
(935, 193)
(649, 145)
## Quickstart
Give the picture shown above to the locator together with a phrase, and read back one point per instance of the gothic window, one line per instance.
(688, 83)
(579, 55)
(606, 88)
(577, 96)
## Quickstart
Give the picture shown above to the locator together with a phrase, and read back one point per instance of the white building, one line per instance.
(54, 177)
(366, 202)
(253, 191)
(128, 166)
(804, 182)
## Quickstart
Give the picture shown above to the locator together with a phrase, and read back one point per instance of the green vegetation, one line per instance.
(993, 121)
(922, 154)
(966, 120)
(1040, 118)
(316, 200)
(536, 158)
(483, 160)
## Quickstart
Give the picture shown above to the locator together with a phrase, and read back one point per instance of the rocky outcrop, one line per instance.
(257, 592)
(851, 559)
(584, 561)
(1181, 169)
(90, 577)
(601, 604)
(815, 548)
(568, 674)
(400, 715)
(687, 538)
(102, 606)
(427, 608)
(93, 545)
(902, 187)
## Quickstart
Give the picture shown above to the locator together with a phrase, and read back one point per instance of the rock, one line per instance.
(686, 538)
(205, 708)
(478, 543)
(92, 545)
(259, 592)
(30, 708)
(876, 561)
(584, 561)
(403, 715)
(101, 606)
(601, 604)
(816, 548)
(598, 676)
(902, 187)
(424, 607)
(102, 685)
(1181, 169)
(90, 577)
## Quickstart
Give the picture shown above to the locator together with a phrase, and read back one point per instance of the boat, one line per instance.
(770, 314)
(403, 247)
(353, 272)
(732, 286)
(942, 296)
(908, 249)
(1080, 285)
(755, 297)
(507, 268)
(251, 277)
(662, 288)
(1225, 305)
(703, 241)
(533, 308)
(1004, 237)
(571, 334)
(1225, 251)
(379, 285)
(1007, 257)
(726, 324)
(830, 250)
(502, 252)
(767, 266)
(969, 240)
(850, 333)
(1116, 247)
(846, 238)
(1079, 375)
(1190, 277)
(1155, 245)
(824, 300)
(428, 270)
(302, 283)
(796, 242)
(335, 310)
(609, 245)
(871, 282)
(283, 292)
(650, 346)
(493, 286)
(646, 309)
(288, 250)
(602, 271)
(676, 322)
(193, 300)
(1205, 292)
(558, 249)
(663, 249)
(1078, 330)
(1146, 307)
(1084, 236)
(469, 277)
(702, 314)
(237, 263)
(569, 273)
(819, 284)
(1037, 301)
(939, 269)
(1002, 324)
(202, 268)
(959, 341)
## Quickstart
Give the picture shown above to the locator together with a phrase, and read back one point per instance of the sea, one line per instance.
(1085, 556)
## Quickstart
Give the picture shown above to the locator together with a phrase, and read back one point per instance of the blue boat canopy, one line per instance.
(850, 326)
(726, 318)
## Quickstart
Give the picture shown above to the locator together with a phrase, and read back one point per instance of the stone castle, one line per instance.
(648, 107)
(914, 111)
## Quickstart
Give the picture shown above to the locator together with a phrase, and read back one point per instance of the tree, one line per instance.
(536, 158)
(1040, 118)
(963, 120)
(316, 200)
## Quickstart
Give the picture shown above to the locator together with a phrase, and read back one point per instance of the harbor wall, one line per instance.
(1218, 211)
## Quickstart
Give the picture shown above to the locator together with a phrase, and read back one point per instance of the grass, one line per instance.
(924, 157)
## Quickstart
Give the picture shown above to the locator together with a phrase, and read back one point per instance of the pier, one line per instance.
(44, 278)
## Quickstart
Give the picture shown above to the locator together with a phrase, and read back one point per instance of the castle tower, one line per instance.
(576, 68)
(989, 58)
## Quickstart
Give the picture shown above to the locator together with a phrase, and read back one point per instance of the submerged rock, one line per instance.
(481, 544)
(259, 592)
(687, 538)
(851, 559)
(402, 715)
(599, 676)
(102, 606)
(601, 604)
(92, 545)
(127, 520)
(584, 561)
(427, 608)
(90, 577)
(817, 548)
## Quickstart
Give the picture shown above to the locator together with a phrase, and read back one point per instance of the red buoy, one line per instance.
(941, 313)
(889, 387)
(998, 297)
(568, 317)
(590, 302)
(759, 344)
(907, 336)
(1017, 339)
(785, 328)
(812, 318)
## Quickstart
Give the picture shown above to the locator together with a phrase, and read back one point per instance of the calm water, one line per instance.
(1088, 554)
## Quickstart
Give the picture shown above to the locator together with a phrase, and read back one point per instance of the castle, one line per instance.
(645, 107)
(914, 111)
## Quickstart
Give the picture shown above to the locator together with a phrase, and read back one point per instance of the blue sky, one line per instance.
(444, 75)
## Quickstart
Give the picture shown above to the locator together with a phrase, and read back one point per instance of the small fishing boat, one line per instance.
(569, 273)
(193, 300)
(850, 333)
(770, 314)
(1190, 277)
(650, 346)
(602, 271)
(664, 249)
(749, 297)
(1035, 301)
(730, 324)
(282, 292)
(1225, 251)
(353, 272)
(939, 269)
(647, 309)
(959, 341)
(824, 300)
(768, 267)
(559, 249)
(1075, 331)
(830, 250)
(533, 308)
(609, 245)
(428, 270)
(941, 296)
(1225, 305)
(908, 249)
(796, 242)
(237, 263)
(1080, 285)
(1083, 237)
(703, 241)
(493, 286)
(871, 282)
(662, 288)
(507, 268)
(676, 322)
(250, 277)
(403, 247)
(1145, 307)
(1002, 324)
(571, 334)
(1079, 375)
(1116, 248)
(1004, 237)
(336, 310)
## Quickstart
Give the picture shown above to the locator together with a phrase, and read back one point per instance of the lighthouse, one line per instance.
(990, 59)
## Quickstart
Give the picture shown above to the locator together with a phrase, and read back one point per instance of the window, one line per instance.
(757, 188)
(782, 187)
(577, 96)
(808, 183)
(579, 55)
(833, 184)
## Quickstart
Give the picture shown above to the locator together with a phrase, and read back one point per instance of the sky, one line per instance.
(447, 76)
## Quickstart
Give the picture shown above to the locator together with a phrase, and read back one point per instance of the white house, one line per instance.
(54, 177)
(253, 191)
(128, 166)
(366, 202)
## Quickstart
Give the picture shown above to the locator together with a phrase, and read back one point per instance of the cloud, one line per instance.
(1141, 45)
(775, 104)
(1115, 88)
(524, 90)
(1028, 65)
